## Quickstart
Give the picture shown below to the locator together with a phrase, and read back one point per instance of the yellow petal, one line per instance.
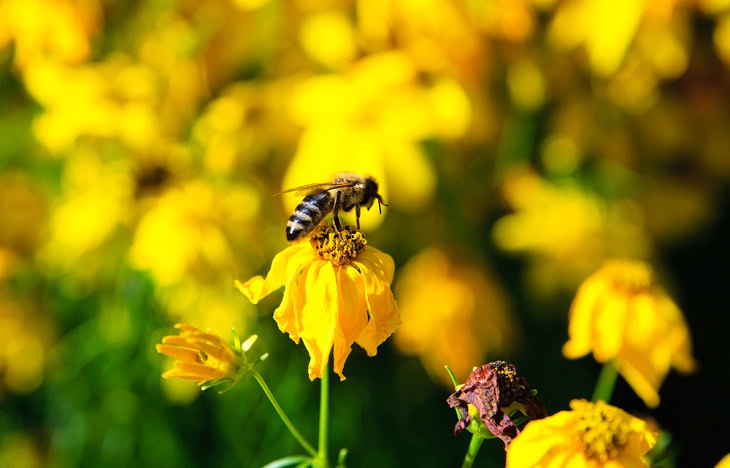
(580, 327)
(384, 316)
(609, 326)
(257, 287)
(289, 313)
(543, 442)
(353, 314)
(635, 366)
(378, 263)
(176, 352)
(318, 316)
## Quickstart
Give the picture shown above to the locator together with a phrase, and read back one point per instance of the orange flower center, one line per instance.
(338, 247)
(632, 277)
(603, 430)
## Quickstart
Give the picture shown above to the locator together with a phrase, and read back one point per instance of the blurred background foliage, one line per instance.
(519, 143)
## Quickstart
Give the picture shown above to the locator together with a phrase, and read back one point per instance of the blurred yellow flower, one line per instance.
(591, 435)
(117, 98)
(620, 313)
(337, 292)
(203, 357)
(453, 314)
(96, 199)
(329, 38)
(447, 42)
(566, 230)
(24, 340)
(22, 449)
(724, 463)
(61, 29)
(372, 119)
(244, 125)
(185, 231)
(23, 214)
(608, 31)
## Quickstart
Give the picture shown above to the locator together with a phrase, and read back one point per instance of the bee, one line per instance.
(345, 192)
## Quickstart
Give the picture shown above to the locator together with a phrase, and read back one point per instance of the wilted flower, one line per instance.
(205, 357)
(495, 390)
(336, 292)
(591, 435)
(621, 314)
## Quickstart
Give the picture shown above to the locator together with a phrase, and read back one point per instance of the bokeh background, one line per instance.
(519, 143)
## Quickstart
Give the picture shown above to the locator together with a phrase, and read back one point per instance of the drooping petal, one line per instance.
(319, 316)
(609, 326)
(352, 314)
(580, 327)
(384, 316)
(257, 287)
(289, 313)
(378, 264)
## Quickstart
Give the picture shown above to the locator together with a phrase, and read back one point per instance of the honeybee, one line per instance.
(345, 192)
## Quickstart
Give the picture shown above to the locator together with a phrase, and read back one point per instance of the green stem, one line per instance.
(302, 441)
(606, 383)
(323, 419)
(471, 453)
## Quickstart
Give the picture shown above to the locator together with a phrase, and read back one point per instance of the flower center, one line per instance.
(227, 367)
(337, 247)
(510, 384)
(603, 429)
(632, 277)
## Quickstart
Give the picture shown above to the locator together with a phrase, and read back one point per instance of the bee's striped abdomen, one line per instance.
(308, 214)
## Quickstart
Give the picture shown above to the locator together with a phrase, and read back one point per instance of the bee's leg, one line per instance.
(335, 210)
(357, 215)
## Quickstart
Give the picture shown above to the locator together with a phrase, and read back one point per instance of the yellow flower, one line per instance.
(724, 462)
(621, 314)
(453, 313)
(337, 291)
(563, 228)
(203, 357)
(591, 435)
(61, 29)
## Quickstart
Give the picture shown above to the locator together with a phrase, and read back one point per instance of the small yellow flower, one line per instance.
(591, 435)
(337, 292)
(203, 357)
(621, 314)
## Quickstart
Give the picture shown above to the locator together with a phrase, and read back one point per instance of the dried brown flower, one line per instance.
(495, 390)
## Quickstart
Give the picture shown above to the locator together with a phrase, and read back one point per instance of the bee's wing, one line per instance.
(307, 189)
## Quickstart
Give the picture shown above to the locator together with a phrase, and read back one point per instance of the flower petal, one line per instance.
(384, 315)
(176, 352)
(257, 287)
(352, 314)
(542, 441)
(379, 264)
(318, 315)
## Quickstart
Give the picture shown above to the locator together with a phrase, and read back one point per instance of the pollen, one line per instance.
(338, 247)
(603, 429)
(510, 384)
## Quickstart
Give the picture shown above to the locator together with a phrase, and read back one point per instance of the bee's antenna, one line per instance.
(380, 202)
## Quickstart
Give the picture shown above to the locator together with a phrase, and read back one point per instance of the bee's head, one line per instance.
(371, 191)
